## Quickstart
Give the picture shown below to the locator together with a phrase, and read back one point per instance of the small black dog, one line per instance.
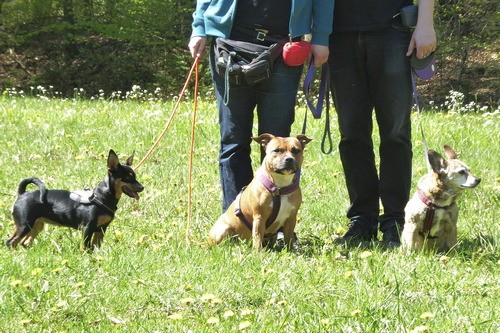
(92, 213)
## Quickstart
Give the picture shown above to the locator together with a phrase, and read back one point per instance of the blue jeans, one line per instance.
(275, 100)
(369, 71)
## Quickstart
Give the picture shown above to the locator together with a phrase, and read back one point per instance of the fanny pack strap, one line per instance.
(316, 110)
(225, 98)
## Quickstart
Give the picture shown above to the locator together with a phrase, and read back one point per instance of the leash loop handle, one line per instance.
(316, 110)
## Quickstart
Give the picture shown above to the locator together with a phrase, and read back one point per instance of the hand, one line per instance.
(424, 36)
(423, 40)
(197, 46)
(320, 54)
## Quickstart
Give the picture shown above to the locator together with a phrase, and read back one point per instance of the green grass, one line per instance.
(148, 278)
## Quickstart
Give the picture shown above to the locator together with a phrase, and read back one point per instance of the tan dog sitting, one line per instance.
(271, 201)
(431, 215)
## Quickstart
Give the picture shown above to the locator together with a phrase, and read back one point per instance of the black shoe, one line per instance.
(359, 231)
(392, 236)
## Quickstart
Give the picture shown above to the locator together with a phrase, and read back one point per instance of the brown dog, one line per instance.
(271, 201)
(431, 215)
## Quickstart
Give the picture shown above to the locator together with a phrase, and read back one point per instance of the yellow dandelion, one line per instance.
(348, 274)
(244, 325)
(213, 321)
(356, 313)
(139, 281)
(175, 316)
(25, 321)
(64, 262)
(15, 283)
(246, 312)
(420, 329)
(427, 315)
(36, 271)
(325, 321)
(365, 254)
(271, 301)
(208, 297)
(118, 234)
(444, 260)
(187, 301)
(57, 270)
(421, 170)
(340, 231)
(268, 271)
(216, 301)
(79, 284)
(188, 287)
(61, 304)
(142, 239)
(99, 258)
(228, 314)
(282, 303)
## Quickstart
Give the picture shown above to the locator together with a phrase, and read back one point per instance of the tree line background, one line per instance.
(111, 45)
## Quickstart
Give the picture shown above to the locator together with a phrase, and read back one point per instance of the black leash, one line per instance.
(324, 95)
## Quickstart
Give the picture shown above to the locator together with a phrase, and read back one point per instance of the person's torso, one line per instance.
(366, 15)
(271, 15)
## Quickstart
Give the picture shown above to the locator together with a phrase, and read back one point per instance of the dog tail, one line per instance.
(21, 189)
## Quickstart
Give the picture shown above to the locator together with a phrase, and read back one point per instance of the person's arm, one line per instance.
(198, 39)
(424, 36)
(321, 29)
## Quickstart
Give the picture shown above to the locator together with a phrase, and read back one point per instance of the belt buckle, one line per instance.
(261, 34)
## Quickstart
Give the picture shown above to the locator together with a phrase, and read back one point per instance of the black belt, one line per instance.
(262, 36)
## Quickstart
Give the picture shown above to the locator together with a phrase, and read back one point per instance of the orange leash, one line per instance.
(157, 142)
(191, 151)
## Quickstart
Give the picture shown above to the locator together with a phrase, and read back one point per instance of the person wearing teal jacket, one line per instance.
(274, 98)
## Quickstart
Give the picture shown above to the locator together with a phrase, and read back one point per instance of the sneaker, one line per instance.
(392, 236)
(359, 231)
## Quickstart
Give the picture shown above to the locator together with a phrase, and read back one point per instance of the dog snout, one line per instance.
(138, 187)
(471, 182)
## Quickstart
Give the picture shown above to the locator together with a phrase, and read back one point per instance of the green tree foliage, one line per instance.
(115, 44)
(468, 48)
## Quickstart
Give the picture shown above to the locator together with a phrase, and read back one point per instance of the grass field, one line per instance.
(148, 278)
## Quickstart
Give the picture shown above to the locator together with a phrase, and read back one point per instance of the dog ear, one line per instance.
(437, 162)
(263, 139)
(304, 140)
(450, 153)
(113, 161)
(130, 159)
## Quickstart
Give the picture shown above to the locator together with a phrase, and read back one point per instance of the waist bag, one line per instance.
(243, 62)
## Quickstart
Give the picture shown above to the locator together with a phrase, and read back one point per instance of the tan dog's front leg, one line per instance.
(258, 231)
(288, 230)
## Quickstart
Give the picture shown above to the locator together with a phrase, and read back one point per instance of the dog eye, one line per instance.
(295, 151)
(462, 172)
(278, 150)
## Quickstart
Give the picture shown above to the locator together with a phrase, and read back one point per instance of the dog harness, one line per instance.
(276, 192)
(429, 215)
(87, 197)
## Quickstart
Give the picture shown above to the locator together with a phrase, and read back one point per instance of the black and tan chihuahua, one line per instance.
(91, 211)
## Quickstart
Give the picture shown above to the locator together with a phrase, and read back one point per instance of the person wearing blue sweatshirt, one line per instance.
(274, 98)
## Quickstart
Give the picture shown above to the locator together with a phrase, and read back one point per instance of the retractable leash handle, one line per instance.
(316, 110)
